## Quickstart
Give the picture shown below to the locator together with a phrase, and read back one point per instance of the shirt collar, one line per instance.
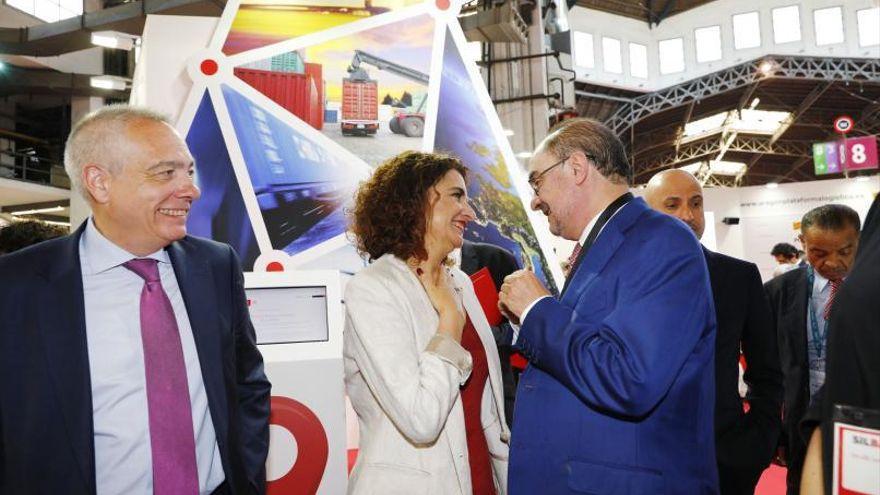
(589, 227)
(101, 254)
(819, 282)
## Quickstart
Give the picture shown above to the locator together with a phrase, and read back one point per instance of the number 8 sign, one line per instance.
(859, 153)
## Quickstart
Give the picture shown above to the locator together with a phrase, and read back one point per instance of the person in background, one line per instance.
(619, 392)
(24, 233)
(500, 263)
(744, 441)
(801, 302)
(128, 362)
(852, 370)
(787, 258)
(421, 366)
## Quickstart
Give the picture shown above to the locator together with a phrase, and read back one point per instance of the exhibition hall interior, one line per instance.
(475, 246)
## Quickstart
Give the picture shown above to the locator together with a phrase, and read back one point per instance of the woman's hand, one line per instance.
(443, 296)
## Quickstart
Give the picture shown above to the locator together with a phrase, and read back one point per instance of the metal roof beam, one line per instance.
(865, 70)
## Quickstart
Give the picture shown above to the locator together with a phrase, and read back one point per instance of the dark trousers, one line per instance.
(738, 480)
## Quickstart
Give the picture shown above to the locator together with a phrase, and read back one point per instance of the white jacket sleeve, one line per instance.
(415, 387)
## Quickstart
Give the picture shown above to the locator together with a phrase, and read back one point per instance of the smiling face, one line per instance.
(143, 206)
(550, 196)
(448, 214)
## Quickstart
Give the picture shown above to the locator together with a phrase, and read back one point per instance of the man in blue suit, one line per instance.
(127, 355)
(619, 394)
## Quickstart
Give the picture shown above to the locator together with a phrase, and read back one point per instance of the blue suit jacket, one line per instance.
(619, 395)
(46, 430)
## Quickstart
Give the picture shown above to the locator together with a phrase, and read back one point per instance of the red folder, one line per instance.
(487, 294)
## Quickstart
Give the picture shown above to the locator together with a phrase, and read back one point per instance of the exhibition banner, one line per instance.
(294, 103)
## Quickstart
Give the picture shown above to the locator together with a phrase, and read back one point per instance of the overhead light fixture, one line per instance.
(771, 185)
(754, 103)
(509, 132)
(716, 167)
(524, 154)
(113, 39)
(60, 224)
(749, 121)
(108, 82)
(36, 210)
(766, 68)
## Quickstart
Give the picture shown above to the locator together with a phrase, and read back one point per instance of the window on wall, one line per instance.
(708, 43)
(829, 26)
(786, 24)
(638, 60)
(48, 10)
(869, 26)
(611, 58)
(746, 30)
(583, 50)
(671, 55)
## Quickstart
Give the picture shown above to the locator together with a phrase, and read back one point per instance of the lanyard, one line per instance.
(818, 339)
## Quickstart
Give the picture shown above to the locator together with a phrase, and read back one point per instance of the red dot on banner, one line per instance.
(209, 67)
(274, 267)
(442, 4)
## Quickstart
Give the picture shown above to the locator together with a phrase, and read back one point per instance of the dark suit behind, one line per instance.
(787, 294)
(46, 434)
(744, 443)
(501, 263)
(853, 370)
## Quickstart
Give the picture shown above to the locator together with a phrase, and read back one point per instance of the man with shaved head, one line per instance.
(744, 442)
(128, 362)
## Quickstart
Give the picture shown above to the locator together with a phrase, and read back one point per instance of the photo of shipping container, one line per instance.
(300, 186)
(360, 106)
(300, 93)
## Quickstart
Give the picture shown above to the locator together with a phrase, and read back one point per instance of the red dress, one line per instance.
(472, 398)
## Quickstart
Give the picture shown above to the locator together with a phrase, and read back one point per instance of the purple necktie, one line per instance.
(171, 425)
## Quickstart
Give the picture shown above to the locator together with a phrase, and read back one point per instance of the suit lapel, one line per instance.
(469, 261)
(798, 323)
(590, 263)
(197, 286)
(481, 326)
(63, 331)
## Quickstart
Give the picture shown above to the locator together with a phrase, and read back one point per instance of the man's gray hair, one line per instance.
(597, 142)
(97, 137)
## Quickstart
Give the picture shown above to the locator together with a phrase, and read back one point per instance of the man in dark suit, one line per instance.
(500, 263)
(800, 301)
(744, 442)
(620, 389)
(853, 370)
(127, 355)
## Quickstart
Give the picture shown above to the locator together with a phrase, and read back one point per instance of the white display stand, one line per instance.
(299, 316)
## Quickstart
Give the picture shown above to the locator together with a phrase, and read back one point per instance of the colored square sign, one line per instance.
(861, 152)
(846, 154)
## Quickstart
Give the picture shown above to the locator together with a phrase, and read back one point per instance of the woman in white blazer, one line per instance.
(421, 366)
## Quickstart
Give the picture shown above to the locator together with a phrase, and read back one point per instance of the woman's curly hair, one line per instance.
(389, 212)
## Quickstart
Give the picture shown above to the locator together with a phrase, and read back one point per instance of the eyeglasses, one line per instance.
(538, 180)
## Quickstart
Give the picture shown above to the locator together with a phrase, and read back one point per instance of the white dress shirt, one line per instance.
(584, 234)
(819, 295)
(123, 456)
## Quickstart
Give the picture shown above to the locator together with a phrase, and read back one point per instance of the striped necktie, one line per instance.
(573, 258)
(835, 284)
